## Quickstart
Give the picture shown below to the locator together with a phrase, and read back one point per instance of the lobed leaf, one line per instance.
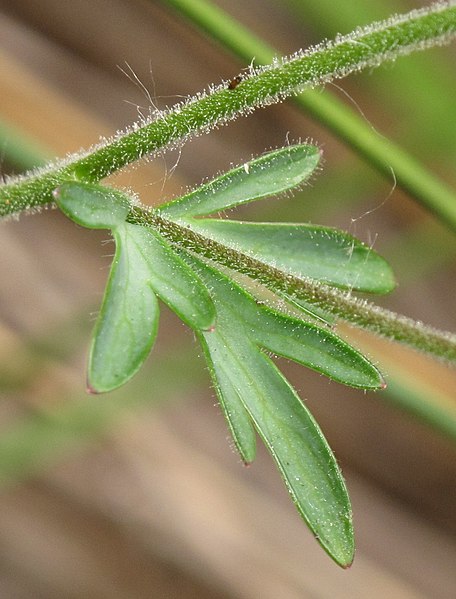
(91, 205)
(171, 278)
(144, 264)
(314, 347)
(294, 439)
(241, 371)
(303, 250)
(304, 342)
(252, 391)
(267, 175)
(127, 325)
(230, 397)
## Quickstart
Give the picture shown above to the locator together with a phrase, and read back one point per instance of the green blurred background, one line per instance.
(139, 493)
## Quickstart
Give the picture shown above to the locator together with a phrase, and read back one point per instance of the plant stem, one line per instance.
(363, 49)
(339, 303)
(386, 156)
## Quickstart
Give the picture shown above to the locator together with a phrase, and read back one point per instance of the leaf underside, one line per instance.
(127, 325)
(91, 205)
(302, 250)
(144, 265)
(253, 392)
(237, 331)
(273, 173)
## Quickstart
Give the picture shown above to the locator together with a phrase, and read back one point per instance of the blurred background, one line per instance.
(139, 493)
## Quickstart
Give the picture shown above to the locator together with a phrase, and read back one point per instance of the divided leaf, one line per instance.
(144, 264)
(235, 330)
(294, 439)
(273, 173)
(127, 326)
(229, 391)
(304, 342)
(171, 278)
(245, 376)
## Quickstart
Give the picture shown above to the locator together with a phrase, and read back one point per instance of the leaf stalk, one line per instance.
(339, 303)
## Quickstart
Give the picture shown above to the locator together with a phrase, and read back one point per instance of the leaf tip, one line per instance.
(91, 390)
(348, 564)
(345, 556)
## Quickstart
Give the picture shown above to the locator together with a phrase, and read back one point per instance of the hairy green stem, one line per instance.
(366, 48)
(339, 303)
(386, 156)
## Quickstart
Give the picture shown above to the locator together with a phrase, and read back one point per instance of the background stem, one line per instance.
(368, 48)
(382, 153)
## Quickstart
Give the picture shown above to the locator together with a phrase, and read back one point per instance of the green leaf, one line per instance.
(144, 264)
(127, 325)
(171, 278)
(270, 174)
(303, 250)
(294, 439)
(92, 206)
(304, 342)
(238, 419)
(314, 347)
(241, 371)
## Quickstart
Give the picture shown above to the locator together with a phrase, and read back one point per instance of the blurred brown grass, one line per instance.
(138, 494)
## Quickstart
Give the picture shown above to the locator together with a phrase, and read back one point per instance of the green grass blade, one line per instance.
(128, 321)
(91, 205)
(273, 173)
(20, 150)
(321, 253)
(383, 154)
